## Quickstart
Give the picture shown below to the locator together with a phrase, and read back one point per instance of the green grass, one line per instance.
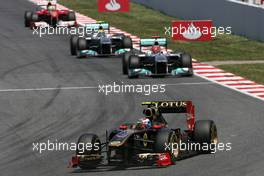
(254, 72)
(145, 22)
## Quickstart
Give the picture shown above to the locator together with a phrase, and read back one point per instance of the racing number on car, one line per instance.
(113, 5)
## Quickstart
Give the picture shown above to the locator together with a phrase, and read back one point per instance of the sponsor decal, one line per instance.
(113, 5)
(200, 30)
(168, 104)
(122, 134)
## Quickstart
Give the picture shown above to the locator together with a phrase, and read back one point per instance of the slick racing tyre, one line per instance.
(73, 45)
(34, 17)
(186, 60)
(125, 60)
(167, 138)
(205, 133)
(89, 140)
(134, 62)
(27, 18)
(81, 44)
(71, 16)
(127, 43)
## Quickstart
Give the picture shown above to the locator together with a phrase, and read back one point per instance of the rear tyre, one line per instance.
(89, 140)
(71, 16)
(27, 18)
(73, 45)
(205, 133)
(168, 138)
(127, 43)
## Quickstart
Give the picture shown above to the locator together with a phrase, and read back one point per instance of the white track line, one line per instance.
(47, 89)
(92, 87)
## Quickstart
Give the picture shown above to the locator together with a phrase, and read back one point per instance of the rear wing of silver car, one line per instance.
(152, 41)
(97, 25)
(175, 107)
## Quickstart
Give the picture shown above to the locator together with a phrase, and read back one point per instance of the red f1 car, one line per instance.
(149, 141)
(49, 15)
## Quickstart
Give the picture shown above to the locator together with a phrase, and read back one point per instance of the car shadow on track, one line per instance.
(106, 168)
(115, 168)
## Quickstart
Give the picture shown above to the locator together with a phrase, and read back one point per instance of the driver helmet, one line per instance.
(50, 7)
(144, 123)
(101, 29)
(156, 48)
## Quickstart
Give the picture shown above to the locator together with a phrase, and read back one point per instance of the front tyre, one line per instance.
(27, 18)
(81, 45)
(73, 45)
(205, 133)
(95, 150)
(133, 63)
(169, 138)
(186, 62)
(125, 60)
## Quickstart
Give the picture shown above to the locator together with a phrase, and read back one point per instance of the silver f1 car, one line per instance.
(156, 62)
(99, 42)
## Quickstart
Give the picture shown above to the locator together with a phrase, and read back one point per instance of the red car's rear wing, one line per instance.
(175, 107)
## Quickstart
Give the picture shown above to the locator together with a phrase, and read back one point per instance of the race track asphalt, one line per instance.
(28, 62)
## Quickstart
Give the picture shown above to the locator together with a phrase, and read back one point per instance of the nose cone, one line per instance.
(54, 14)
(105, 40)
(161, 58)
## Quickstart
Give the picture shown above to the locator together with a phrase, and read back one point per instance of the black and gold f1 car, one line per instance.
(149, 141)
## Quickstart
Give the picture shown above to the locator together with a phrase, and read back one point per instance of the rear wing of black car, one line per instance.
(175, 107)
